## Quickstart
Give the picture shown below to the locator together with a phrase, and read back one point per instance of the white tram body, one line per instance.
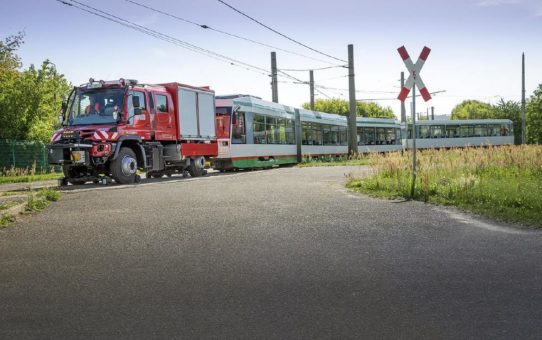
(253, 133)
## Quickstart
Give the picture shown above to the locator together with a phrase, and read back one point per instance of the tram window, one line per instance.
(424, 132)
(330, 133)
(493, 130)
(343, 136)
(479, 131)
(326, 130)
(368, 136)
(452, 131)
(307, 133)
(505, 130)
(467, 131)
(390, 136)
(398, 137)
(259, 129)
(409, 132)
(271, 130)
(238, 135)
(289, 132)
(437, 131)
(318, 136)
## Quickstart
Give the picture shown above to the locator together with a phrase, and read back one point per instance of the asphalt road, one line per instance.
(285, 253)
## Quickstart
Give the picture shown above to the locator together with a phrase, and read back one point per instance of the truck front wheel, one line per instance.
(124, 167)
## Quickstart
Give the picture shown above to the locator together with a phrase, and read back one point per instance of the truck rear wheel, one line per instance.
(197, 166)
(124, 167)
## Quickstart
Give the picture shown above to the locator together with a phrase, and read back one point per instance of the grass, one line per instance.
(25, 175)
(358, 159)
(503, 183)
(35, 201)
(40, 200)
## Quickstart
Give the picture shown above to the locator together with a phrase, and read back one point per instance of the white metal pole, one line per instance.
(412, 187)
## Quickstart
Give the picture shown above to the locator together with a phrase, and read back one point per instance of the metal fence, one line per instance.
(23, 155)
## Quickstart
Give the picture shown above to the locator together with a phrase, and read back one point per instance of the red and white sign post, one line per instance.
(414, 80)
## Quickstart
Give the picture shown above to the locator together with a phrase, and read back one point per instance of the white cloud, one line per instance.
(494, 3)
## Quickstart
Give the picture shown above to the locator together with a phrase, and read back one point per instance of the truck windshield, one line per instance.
(99, 106)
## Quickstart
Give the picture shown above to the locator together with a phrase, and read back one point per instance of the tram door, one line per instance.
(223, 135)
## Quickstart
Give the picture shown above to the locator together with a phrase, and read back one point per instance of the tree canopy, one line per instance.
(30, 99)
(473, 109)
(533, 117)
(342, 107)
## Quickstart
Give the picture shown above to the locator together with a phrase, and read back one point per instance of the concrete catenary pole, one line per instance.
(311, 83)
(403, 109)
(352, 130)
(523, 98)
(274, 81)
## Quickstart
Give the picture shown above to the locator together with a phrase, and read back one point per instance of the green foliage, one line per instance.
(342, 107)
(499, 182)
(30, 99)
(533, 117)
(40, 200)
(473, 109)
(510, 110)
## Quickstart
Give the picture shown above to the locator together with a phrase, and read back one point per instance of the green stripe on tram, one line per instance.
(256, 163)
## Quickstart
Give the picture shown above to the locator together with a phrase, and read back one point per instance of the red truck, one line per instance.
(112, 129)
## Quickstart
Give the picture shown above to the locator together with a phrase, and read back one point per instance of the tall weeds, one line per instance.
(504, 181)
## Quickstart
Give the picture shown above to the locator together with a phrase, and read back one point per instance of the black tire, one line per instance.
(70, 175)
(197, 166)
(124, 167)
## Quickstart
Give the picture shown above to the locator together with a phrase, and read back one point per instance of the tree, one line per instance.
(533, 117)
(342, 107)
(473, 109)
(373, 110)
(510, 110)
(30, 99)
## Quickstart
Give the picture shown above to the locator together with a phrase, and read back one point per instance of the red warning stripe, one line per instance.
(425, 94)
(403, 52)
(403, 94)
(425, 53)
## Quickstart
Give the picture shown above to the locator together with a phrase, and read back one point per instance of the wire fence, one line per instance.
(21, 154)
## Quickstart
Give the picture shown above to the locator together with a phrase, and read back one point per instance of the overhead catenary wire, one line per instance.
(207, 27)
(314, 69)
(145, 30)
(299, 81)
(395, 98)
(279, 33)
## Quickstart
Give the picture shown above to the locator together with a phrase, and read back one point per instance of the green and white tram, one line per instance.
(253, 133)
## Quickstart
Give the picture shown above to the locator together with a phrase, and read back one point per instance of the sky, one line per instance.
(476, 45)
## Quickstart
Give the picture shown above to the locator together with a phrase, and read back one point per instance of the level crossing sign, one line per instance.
(414, 69)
